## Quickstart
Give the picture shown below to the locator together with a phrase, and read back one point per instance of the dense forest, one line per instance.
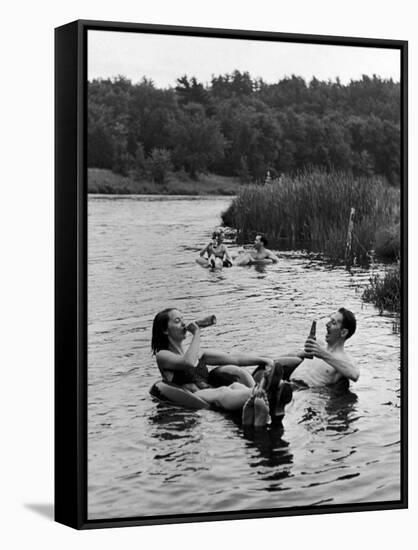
(243, 127)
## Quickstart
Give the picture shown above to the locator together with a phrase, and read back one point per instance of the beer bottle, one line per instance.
(206, 321)
(312, 334)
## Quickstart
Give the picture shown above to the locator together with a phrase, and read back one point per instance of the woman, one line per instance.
(188, 368)
(215, 254)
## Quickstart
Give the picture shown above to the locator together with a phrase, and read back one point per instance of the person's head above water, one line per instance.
(168, 326)
(341, 326)
(218, 235)
(260, 241)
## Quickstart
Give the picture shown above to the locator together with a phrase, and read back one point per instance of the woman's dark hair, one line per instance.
(349, 321)
(159, 339)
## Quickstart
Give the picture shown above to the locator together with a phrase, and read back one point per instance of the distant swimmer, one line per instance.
(215, 254)
(260, 254)
(330, 364)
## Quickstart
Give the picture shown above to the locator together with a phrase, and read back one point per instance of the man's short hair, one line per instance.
(263, 240)
(349, 321)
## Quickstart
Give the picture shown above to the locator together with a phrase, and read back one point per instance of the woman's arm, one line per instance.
(215, 357)
(167, 360)
(192, 354)
(204, 250)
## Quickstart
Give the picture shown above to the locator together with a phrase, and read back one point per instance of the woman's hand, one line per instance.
(193, 328)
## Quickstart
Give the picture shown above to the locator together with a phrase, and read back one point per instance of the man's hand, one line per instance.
(313, 348)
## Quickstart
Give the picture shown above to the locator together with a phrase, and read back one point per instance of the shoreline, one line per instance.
(105, 182)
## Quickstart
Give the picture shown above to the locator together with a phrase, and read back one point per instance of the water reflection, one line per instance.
(327, 409)
(272, 449)
(168, 422)
(341, 409)
(154, 458)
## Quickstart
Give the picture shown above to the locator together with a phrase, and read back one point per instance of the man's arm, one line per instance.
(341, 364)
(272, 256)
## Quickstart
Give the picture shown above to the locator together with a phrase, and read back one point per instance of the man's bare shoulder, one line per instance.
(340, 353)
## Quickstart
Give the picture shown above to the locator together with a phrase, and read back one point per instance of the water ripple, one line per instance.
(148, 458)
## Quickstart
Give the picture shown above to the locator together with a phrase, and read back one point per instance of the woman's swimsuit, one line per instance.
(193, 375)
(218, 251)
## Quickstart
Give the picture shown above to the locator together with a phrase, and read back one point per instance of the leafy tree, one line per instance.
(241, 126)
(196, 141)
(159, 164)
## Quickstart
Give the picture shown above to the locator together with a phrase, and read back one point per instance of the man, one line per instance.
(259, 254)
(330, 364)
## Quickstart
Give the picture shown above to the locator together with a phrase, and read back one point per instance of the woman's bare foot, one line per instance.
(248, 412)
(261, 410)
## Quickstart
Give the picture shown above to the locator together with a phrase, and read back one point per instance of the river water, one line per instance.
(147, 458)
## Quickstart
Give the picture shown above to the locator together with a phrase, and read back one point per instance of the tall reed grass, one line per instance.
(311, 211)
(384, 291)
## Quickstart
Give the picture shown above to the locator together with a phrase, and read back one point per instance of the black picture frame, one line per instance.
(71, 272)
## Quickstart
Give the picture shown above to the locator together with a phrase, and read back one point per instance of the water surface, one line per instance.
(147, 458)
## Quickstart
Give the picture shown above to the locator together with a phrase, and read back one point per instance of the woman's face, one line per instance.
(217, 239)
(176, 327)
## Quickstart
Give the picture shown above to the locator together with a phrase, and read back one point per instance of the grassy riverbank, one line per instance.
(311, 211)
(107, 182)
(385, 291)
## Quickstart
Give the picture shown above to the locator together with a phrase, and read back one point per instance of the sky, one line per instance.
(165, 58)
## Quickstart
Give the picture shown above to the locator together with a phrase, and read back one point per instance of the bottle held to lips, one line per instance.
(312, 334)
(206, 321)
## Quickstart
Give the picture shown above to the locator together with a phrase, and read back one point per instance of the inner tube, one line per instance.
(244, 259)
(176, 395)
(261, 262)
(226, 375)
(203, 262)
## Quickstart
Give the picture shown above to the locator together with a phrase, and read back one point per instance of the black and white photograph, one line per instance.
(244, 274)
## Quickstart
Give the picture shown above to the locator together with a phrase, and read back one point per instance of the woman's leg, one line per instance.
(225, 397)
(202, 261)
(248, 413)
(261, 411)
(211, 261)
(218, 263)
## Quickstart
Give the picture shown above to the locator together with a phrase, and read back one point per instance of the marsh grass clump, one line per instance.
(311, 211)
(388, 242)
(384, 291)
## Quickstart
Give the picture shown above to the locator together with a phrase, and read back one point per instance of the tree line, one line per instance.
(240, 126)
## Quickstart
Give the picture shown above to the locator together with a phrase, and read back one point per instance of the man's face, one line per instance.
(335, 331)
(257, 242)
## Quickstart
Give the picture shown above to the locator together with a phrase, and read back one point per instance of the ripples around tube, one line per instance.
(146, 458)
